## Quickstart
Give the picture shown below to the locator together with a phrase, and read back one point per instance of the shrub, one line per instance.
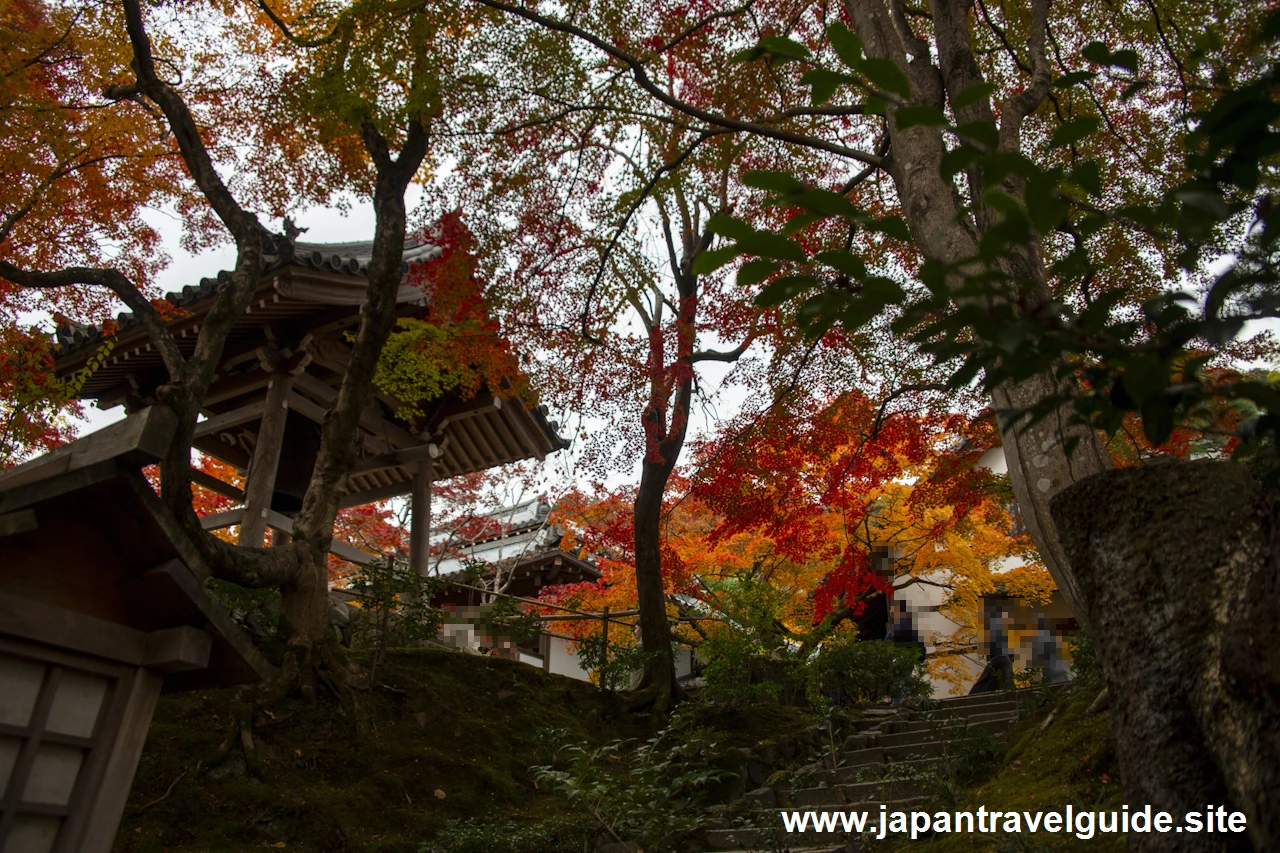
(845, 669)
(556, 834)
(650, 793)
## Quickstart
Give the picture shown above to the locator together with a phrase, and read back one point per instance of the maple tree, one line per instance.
(137, 95)
(790, 520)
(864, 63)
(1035, 152)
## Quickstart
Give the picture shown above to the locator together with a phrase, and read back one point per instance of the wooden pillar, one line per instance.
(420, 517)
(266, 459)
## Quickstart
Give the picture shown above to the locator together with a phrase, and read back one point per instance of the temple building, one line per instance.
(280, 372)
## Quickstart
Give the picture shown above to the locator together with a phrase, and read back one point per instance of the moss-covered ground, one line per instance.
(453, 739)
(1073, 761)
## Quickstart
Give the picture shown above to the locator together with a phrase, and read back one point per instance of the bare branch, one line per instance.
(242, 224)
(1021, 105)
(723, 355)
(118, 284)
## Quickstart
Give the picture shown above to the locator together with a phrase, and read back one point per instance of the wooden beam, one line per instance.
(261, 482)
(371, 420)
(474, 429)
(337, 547)
(235, 417)
(306, 408)
(396, 458)
(476, 460)
(213, 484)
(382, 493)
(515, 417)
(22, 521)
(180, 649)
(420, 518)
(139, 439)
(234, 386)
(219, 520)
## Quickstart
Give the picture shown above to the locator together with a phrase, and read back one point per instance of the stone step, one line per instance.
(997, 706)
(877, 790)
(1003, 695)
(943, 732)
(869, 772)
(934, 722)
(932, 749)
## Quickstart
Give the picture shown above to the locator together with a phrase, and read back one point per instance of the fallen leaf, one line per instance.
(439, 794)
(298, 752)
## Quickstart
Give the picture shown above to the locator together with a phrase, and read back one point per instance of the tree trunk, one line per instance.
(1177, 563)
(655, 630)
(1039, 469)
(945, 230)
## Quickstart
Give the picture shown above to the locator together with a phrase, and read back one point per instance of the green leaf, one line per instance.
(1144, 377)
(1126, 59)
(823, 83)
(892, 226)
(1071, 132)
(712, 260)
(727, 226)
(784, 48)
(779, 291)
(972, 95)
(828, 203)
(959, 159)
(846, 43)
(882, 291)
(754, 272)
(1134, 88)
(1157, 420)
(747, 54)
(775, 246)
(845, 262)
(886, 76)
(802, 221)
(1097, 53)
(982, 132)
(914, 116)
(1086, 175)
(1074, 78)
(780, 182)
(1001, 164)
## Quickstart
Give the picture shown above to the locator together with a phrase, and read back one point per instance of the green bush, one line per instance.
(845, 669)
(738, 669)
(1086, 669)
(556, 834)
(615, 665)
(652, 793)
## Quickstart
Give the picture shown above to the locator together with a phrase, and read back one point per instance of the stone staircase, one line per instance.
(890, 761)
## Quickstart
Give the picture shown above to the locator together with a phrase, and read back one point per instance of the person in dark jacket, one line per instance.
(904, 635)
(998, 673)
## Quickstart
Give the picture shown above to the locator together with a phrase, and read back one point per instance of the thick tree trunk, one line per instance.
(1177, 563)
(655, 630)
(305, 601)
(1039, 469)
(945, 229)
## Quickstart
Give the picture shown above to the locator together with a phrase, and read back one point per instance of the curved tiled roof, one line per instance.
(351, 258)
